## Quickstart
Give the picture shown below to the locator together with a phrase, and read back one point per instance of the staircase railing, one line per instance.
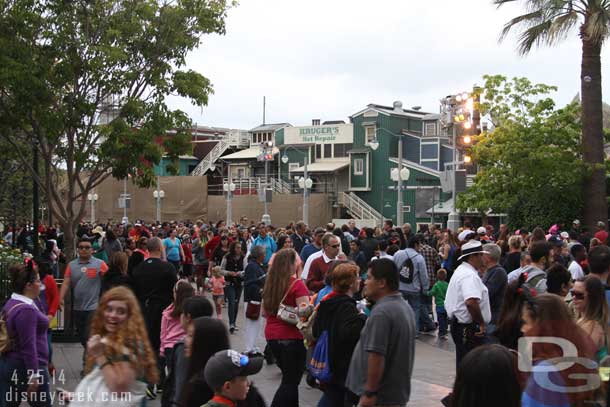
(206, 163)
(358, 208)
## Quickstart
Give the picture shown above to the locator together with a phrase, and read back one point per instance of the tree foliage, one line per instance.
(530, 163)
(86, 81)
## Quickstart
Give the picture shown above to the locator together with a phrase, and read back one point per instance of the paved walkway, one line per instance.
(433, 374)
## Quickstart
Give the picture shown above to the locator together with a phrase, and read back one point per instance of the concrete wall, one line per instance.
(283, 210)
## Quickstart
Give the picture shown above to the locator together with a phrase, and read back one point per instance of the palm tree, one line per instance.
(548, 22)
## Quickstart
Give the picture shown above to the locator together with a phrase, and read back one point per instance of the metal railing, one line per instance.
(358, 208)
(251, 186)
(207, 161)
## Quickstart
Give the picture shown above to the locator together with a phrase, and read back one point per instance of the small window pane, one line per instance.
(328, 150)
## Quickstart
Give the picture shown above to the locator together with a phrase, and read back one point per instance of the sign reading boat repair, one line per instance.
(332, 134)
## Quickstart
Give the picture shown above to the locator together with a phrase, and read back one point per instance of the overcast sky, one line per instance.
(328, 59)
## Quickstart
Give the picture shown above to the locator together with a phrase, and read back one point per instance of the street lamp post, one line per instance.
(158, 194)
(92, 198)
(229, 187)
(306, 183)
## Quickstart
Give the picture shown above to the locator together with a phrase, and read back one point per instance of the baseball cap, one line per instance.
(481, 230)
(576, 222)
(554, 240)
(228, 364)
(601, 224)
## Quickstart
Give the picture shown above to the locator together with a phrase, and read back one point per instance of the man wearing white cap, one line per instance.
(467, 301)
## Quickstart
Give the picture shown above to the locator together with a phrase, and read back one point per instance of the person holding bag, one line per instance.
(120, 359)
(283, 296)
(254, 280)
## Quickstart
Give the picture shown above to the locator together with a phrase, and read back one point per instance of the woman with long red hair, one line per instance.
(120, 360)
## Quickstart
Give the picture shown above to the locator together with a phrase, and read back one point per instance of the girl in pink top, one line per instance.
(218, 289)
(171, 330)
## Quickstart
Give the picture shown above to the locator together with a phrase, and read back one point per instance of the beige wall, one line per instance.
(283, 210)
(187, 198)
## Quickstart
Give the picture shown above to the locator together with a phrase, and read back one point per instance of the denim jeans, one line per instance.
(425, 309)
(441, 313)
(414, 300)
(14, 381)
(82, 322)
(290, 358)
(232, 296)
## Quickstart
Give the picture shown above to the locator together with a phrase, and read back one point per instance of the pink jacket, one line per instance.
(171, 330)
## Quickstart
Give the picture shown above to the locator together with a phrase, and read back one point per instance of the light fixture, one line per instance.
(159, 194)
(285, 159)
(465, 96)
(305, 183)
(470, 104)
(374, 144)
(228, 187)
(467, 139)
(467, 159)
(404, 174)
(467, 125)
(92, 197)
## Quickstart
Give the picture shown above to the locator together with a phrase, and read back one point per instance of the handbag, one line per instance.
(253, 310)
(92, 391)
(287, 313)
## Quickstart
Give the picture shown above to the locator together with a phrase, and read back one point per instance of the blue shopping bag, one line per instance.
(319, 365)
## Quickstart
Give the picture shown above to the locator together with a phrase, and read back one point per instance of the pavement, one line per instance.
(433, 374)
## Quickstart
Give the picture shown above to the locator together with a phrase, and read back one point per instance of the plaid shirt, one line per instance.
(433, 261)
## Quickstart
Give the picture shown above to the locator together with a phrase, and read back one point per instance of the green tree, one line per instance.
(548, 22)
(530, 163)
(86, 81)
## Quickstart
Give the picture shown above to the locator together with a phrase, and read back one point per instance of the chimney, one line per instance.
(398, 106)
(315, 122)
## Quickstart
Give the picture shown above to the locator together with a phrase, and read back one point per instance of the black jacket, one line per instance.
(254, 280)
(341, 318)
(368, 247)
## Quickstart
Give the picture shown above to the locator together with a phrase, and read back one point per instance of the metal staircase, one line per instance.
(207, 161)
(359, 209)
(280, 186)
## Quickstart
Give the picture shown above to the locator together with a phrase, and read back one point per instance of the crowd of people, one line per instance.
(341, 305)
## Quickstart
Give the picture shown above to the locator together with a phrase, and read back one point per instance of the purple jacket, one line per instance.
(27, 327)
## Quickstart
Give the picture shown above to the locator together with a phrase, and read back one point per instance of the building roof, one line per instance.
(330, 122)
(387, 110)
(270, 127)
(418, 167)
(247, 154)
(324, 166)
(431, 116)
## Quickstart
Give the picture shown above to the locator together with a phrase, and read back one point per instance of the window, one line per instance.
(358, 166)
(241, 173)
(429, 151)
(293, 166)
(328, 150)
(342, 149)
(430, 129)
(369, 133)
(318, 151)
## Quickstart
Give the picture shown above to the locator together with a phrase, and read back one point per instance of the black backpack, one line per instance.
(407, 271)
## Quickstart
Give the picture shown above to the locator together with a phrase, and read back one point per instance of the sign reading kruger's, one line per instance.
(332, 134)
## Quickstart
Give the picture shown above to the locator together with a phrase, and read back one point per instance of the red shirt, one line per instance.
(602, 235)
(317, 274)
(278, 329)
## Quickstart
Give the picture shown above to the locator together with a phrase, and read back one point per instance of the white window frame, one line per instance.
(430, 124)
(367, 129)
(241, 173)
(359, 166)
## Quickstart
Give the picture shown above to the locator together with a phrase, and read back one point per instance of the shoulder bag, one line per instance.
(286, 313)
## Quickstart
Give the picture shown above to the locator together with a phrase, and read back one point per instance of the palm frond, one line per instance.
(560, 27)
(597, 25)
(535, 35)
(527, 19)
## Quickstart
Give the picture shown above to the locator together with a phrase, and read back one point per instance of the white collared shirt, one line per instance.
(465, 284)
